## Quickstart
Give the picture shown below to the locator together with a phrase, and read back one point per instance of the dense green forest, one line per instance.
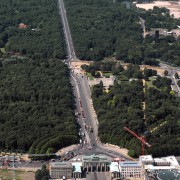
(36, 101)
(101, 28)
(36, 106)
(42, 38)
(163, 119)
(123, 106)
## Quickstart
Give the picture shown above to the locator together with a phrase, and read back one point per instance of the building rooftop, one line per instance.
(163, 161)
(146, 158)
(114, 167)
(22, 26)
(61, 164)
(171, 159)
(129, 164)
(77, 166)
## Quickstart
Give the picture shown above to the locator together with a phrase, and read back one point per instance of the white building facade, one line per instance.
(129, 169)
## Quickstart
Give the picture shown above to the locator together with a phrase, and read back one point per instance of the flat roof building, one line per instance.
(146, 159)
(169, 162)
(130, 169)
(58, 170)
(159, 167)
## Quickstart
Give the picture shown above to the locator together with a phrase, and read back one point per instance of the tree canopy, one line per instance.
(41, 34)
(101, 28)
(150, 111)
(36, 106)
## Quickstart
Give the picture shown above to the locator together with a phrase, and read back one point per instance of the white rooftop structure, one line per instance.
(156, 164)
(114, 167)
(146, 159)
(77, 167)
(169, 159)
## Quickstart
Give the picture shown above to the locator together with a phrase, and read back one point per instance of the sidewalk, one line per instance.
(122, 151)
(66, 149)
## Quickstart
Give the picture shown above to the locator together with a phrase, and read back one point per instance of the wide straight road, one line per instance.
(67, 33)
(83, 94)
(83, 100)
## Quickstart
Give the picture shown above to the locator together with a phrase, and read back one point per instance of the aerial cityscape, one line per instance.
(89, 90)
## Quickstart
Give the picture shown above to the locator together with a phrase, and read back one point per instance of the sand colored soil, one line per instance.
(173, 6)
(67, 149)
(78, 64)
(159, 70)
(27, 176)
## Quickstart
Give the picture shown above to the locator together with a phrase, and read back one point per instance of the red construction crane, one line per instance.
(142, 139)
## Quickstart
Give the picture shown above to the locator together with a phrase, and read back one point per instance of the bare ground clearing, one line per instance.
(173, 6)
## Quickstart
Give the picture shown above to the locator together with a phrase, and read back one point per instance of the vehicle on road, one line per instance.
(91, 129)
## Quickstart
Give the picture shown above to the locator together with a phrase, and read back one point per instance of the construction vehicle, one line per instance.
(141, 138)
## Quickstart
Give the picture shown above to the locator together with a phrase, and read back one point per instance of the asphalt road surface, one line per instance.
(68, 38)
(171, 72)
(86, 118)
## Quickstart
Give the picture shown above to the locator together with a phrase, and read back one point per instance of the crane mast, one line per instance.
(141, 138)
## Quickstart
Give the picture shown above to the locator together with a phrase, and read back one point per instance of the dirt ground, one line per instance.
(78, 64)
(27, 176)
(159, 70)
(173, 6)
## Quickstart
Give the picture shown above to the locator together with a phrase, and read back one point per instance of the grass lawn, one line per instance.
(89, 76)
(2, 50)
(6, 174)
(107, 74)
(149, 83)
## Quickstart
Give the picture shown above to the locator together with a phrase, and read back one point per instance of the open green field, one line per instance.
(149, 83)
(2, 50)
(89, 76)
(18, 175)
(107, 74)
